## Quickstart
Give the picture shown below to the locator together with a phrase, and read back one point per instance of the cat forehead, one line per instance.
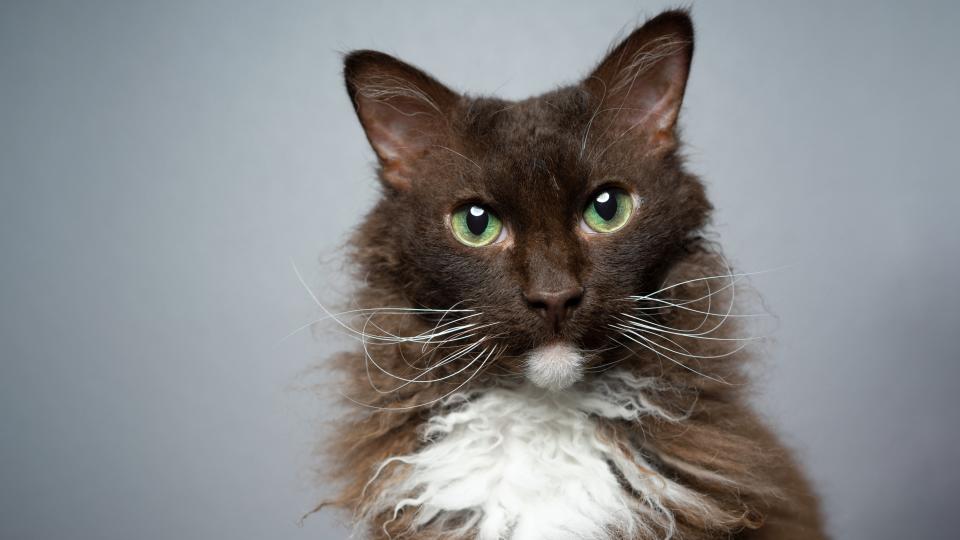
(547, 116)
(531, 145)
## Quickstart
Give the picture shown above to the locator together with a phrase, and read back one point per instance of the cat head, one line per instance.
(543, 215)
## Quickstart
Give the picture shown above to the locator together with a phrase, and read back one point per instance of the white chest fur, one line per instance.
(529, 464)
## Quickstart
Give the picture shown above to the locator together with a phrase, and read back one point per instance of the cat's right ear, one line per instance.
(640, 84)
(404, 111)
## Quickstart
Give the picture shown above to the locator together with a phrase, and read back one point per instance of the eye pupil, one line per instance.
(475, 225)
(606, 205)
(477, 220)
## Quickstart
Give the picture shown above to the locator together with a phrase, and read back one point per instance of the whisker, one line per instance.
(599, 368)
(347, 327)
(677, 362)
(692, 310)
(427, 355)
(376, 311)
(431, 402)
(723, 276)
(368, 358)
(649, 325)
(686, 353)
(684, 302)
(451, 359)
(424, 337)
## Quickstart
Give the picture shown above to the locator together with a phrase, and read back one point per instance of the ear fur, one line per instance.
(403, 111)
(639, 86)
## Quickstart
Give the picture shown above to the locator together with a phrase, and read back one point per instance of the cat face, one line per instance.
(543, 215)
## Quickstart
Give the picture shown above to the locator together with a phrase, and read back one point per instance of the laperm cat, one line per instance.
(550, 348)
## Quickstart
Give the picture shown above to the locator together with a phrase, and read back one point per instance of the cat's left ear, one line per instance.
(638, 88)
(404, 111)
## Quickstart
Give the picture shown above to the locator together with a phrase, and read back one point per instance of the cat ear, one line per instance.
(403, 110)
(638, 87)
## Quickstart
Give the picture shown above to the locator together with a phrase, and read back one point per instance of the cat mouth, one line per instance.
(555, 366)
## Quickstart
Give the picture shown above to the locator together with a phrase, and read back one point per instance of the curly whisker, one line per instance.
(675, 361)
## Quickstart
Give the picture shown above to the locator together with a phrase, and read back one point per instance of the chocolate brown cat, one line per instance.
(550, 349)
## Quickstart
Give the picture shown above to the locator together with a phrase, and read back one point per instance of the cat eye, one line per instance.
(609, 209)
(475, 225)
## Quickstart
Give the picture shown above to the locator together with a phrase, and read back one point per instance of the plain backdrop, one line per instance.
(162, 163)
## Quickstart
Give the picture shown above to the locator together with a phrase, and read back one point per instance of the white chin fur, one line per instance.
(554, 367)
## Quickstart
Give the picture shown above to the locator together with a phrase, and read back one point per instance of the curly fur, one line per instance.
(695, 431)
(528, 463)
(652, 435)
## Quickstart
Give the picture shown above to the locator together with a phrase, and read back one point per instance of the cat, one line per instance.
(549, 346)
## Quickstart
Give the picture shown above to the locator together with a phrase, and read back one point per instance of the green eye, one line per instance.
(608, 210)
(475, 225)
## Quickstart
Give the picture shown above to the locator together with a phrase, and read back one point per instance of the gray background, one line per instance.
(162, 163)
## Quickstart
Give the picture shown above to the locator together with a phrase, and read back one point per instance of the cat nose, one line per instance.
(554, 306)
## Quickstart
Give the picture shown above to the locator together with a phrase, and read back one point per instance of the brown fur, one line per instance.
(535, 162)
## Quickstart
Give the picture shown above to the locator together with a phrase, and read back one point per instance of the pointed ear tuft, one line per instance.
(639, 86)
(403, 110)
